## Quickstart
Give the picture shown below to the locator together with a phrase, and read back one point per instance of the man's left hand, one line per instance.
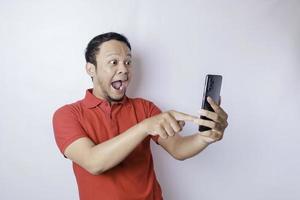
(219, 122)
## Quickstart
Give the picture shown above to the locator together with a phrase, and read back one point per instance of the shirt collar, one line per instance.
(91, 101)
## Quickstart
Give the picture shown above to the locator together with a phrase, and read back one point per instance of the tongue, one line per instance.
(117, 84)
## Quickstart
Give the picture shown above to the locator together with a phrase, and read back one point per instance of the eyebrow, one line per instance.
(110, 54)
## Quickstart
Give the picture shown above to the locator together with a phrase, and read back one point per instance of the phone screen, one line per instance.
(212, 88)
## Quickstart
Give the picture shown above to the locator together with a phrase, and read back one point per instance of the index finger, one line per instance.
(182, 116)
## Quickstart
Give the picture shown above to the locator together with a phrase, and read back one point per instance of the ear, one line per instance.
(90, 69)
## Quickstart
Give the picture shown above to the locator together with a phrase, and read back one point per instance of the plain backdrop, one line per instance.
(254, 44)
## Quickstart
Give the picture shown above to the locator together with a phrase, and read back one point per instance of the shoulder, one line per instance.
(67, 110)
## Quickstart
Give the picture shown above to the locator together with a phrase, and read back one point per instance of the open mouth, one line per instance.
(119, 85)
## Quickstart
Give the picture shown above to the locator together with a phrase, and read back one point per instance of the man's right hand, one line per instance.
(167, 123)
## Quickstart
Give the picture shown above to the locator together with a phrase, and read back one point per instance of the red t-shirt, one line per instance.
(134, 178)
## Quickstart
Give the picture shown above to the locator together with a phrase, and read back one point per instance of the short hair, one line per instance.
(94, 45)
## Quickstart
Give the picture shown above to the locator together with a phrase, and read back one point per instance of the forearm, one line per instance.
(111, 152)
(189, 146)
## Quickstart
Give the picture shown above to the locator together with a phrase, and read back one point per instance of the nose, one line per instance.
(122, 69)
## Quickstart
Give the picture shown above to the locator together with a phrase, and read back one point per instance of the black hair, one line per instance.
(94, 45)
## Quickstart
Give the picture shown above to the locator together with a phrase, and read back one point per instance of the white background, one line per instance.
(254, 44)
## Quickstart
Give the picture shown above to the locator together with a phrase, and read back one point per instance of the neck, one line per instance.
(100, 95)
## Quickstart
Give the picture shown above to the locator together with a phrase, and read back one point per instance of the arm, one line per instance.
(97, 159)
(182, 148)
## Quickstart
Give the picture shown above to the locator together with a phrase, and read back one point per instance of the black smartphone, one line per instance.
(212, 88)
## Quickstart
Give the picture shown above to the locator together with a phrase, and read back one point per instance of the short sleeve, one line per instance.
(66, 127)
(153, 110)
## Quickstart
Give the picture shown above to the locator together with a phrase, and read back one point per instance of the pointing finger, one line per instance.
(179, 116)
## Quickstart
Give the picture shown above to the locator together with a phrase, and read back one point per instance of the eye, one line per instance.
(128, 62)
(113, 62)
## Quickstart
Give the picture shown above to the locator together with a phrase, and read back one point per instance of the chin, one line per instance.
(116, 98)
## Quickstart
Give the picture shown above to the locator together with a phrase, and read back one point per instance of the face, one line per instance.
(113, 73)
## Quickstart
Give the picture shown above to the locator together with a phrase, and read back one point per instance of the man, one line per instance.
(107, 134)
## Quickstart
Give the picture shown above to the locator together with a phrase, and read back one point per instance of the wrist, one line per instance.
(142, 129)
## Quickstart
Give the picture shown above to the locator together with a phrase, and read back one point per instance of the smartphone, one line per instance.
(212, 88)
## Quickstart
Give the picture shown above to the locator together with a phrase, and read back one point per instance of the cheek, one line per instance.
(109, 72)
(130, 73)
(106, 76)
